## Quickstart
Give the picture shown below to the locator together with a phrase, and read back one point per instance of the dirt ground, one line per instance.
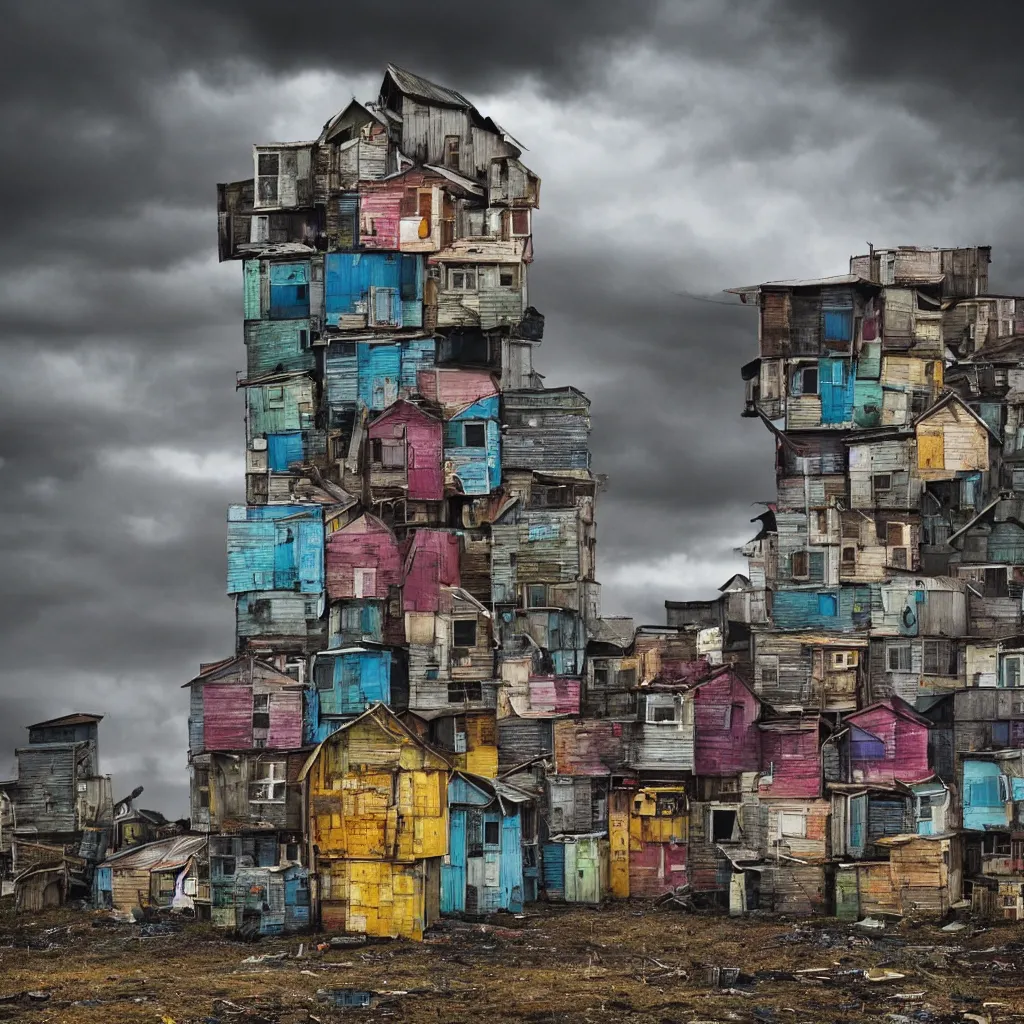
(623, 962)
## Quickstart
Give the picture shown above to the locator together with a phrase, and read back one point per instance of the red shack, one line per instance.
(888, 742)
(406, 454)
(726, 713)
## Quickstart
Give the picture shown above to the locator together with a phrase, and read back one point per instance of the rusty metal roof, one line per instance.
(163, 855)
(423, 89)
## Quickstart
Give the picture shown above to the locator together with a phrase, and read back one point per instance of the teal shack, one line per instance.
(483, 872)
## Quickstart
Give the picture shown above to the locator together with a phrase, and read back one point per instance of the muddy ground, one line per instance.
(623, 962)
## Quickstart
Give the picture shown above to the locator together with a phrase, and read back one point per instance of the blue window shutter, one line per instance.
(408, 277)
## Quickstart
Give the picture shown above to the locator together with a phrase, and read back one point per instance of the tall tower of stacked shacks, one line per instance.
(413, 569)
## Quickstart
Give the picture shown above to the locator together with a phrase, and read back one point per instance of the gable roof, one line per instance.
(728, 670)
(948, 399)
(266, 671)
(894, 704)
(376, 712)
(403, 403)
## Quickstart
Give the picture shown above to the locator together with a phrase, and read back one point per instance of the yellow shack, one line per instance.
(377, 806)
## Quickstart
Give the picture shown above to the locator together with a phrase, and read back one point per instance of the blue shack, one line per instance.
(275, 547)
(472, 448)
(483, 872)
(374, 289)
(346, 682)
(990, 792)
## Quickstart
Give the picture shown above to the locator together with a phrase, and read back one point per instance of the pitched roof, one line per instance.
(75, 718)
(423, 89)
(949, 398)
(896, 705)
(374, 712)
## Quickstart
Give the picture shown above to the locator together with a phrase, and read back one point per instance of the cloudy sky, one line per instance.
(685, 147)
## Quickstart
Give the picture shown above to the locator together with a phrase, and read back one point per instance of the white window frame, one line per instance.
(792, 825)
(364, 582)
(1018, 661)
(474, 423)
(892, 648)
(258, 203)
(270, 784)
(675, 707)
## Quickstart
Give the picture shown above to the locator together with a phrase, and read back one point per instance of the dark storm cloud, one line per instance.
(684, 147)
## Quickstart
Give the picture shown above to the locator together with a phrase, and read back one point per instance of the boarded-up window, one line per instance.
(792, 824)
(464, 632)
(893, 533)
(799, 563)
(451, 152)
(930, 450)
(520, 222)
(768, 668)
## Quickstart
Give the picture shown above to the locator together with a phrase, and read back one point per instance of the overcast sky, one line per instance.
(684, 148)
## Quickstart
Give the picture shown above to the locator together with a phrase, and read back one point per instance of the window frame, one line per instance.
(456, 642)
(652, 709)
(891, 649)
(480, 425)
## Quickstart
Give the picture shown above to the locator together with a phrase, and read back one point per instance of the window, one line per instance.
(492, 833)
(849, 556)
(864, 746)
(1000, 734)
(275, 398)
(260, 720)
(474, 223)
(460, 692)
(507, 277)
(842, 660)
(1011, 670)
(464, 632)
(805, 380)
(268, 166)
(227, 865)
(828, 605)
(661, 712)
(520, 222)
(939, 658)
(894, 534)
(451, 152)
(474, 435)
(388, 453)
(625, 678)
(768, 666)
(669, 805)
(881, 482)
(537, 595)
(463, 279)
(364, 582)
(202, 784)
(601, 677)
(799, 563)
(898, 558)
(924, 808)
(897, 658)
(269, 784)
(792, 825)
(723, 826)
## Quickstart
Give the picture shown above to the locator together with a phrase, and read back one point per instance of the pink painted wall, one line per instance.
(656, 868)
(556, 694)
(432, 562)
(227, 717)
(364, 544)
(906, 746)
(379, 214)
(455, 389)
(726, 738)
(423, 434)
(285, 720)
(797, 763)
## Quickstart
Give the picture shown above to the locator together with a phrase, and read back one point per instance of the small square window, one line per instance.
(659, 713)
(882, 482)
(474, 435)
(464, 632)
(492, 833)
(1000, 734)
(897, 658)
(600, 677)
(768, 665)
(507, 277)
(269, 163)
(520, 222)
(260, 720)
(261, 702)
(849, 556)
(227, 865)
(800, 565)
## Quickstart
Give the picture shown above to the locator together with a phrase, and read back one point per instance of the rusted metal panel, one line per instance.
(590, 747)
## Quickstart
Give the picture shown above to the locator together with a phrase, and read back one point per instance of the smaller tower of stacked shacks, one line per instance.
(413, 570)
(863, 604)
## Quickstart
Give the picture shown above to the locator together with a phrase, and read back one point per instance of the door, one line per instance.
(283, 450)
(858, 824)
(453, 874)
(285, 569)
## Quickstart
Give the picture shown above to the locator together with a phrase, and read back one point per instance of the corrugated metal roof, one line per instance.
(163, 855)
(810, 282)
(617, 630)
(423, 89)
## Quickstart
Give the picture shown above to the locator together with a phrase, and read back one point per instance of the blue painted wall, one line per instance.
(273, 344)
(984, 804)
(553, 855)
(349, 277)
(813, 609)
(385, 370)
(283, 450)
(359, 620)
(344, 685)
(478, 469)
(1006, 544)
(511, 869)
(267, 554)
